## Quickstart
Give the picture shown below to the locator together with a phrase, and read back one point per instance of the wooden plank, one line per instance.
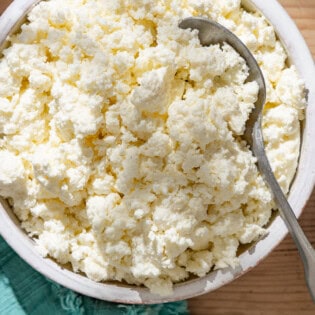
(4, 4)
(277, 285)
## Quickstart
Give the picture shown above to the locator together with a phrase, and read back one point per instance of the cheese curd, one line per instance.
(121, 136)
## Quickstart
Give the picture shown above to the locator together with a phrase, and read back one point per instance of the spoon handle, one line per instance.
(305, 248)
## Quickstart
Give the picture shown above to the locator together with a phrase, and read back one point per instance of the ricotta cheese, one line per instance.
(121, 149)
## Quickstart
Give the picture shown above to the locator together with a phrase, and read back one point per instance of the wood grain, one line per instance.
(277, 285)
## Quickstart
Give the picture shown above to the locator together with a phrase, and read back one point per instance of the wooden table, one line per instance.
(277, 285)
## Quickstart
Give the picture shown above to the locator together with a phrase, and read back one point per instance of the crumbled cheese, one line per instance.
(121, 145)
(12, 175)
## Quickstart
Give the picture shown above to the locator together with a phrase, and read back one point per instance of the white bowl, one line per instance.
(300, 192)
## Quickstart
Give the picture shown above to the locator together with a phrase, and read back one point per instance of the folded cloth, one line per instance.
(23, 291)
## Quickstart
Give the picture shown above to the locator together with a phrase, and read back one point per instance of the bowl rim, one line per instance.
(300, 192)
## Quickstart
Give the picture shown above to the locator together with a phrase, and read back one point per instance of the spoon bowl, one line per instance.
(209, 33)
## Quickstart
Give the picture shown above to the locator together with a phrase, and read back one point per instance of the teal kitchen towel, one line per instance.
(23, 291)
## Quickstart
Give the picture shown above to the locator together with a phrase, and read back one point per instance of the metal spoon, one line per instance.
(211, 32)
